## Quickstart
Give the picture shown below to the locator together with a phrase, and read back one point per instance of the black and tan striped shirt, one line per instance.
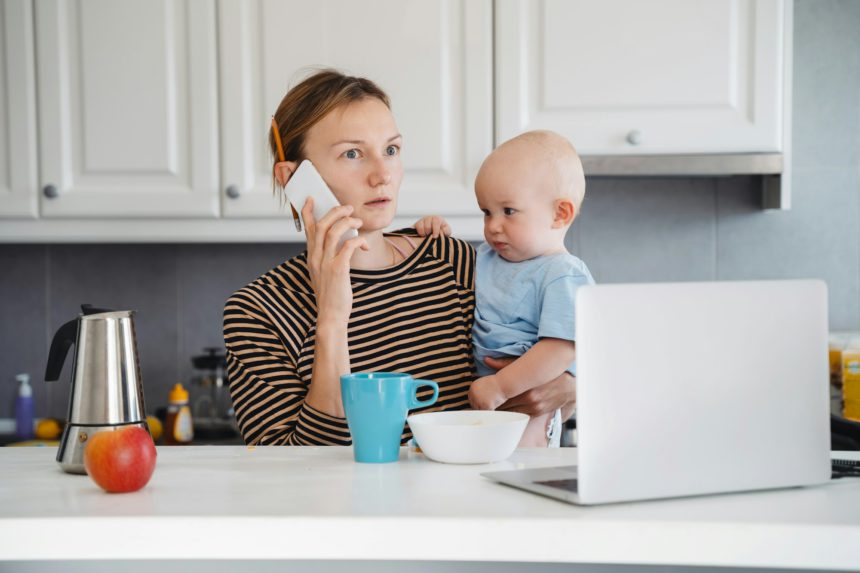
(414, 317)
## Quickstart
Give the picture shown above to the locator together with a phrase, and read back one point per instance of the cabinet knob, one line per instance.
(634, 137)
(233, 192)
(50, 191)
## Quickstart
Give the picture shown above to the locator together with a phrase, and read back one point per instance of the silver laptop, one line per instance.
(695, 388)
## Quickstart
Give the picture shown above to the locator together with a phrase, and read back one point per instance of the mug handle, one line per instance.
(414, 402)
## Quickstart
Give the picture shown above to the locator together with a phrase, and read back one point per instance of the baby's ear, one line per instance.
(283, 171)
(565, 212)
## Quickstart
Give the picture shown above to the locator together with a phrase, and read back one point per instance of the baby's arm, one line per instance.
(543, 362)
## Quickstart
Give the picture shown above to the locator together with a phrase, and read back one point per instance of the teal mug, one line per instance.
(376, 405)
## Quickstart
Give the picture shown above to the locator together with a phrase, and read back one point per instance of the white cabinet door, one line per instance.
(633, 77)
(127, 94)
(18, 175)
(433, 58)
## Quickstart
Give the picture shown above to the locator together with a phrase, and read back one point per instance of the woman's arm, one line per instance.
(331, 361)
(329, 273)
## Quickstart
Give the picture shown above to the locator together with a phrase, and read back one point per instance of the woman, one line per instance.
(382, 302)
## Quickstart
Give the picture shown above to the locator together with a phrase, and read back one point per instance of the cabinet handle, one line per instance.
(233, 192)
(50, 191)
(634, 137)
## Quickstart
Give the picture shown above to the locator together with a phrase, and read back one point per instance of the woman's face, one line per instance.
(356, 149)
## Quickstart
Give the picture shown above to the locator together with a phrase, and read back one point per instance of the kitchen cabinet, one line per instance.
(153, 116)
(434, 59)
(18, 175)
(163, 121)
(624, 77)
(665, 87)
(127, 108)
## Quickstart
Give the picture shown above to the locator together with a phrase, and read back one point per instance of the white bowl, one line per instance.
(468, 436)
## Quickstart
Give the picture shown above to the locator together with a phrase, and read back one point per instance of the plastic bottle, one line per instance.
(835, 347)
(24, 408)
(851, 379)
(178, 429)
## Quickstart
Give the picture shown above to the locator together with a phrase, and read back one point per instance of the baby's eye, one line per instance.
(351, 154)
(509, 211)
(485, 212)
(392, 150)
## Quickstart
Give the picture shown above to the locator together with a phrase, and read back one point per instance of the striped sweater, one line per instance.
(414, 317)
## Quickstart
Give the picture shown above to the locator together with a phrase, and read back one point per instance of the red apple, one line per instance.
(122, 460)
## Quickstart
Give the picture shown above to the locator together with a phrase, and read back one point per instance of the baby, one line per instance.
(530, 190)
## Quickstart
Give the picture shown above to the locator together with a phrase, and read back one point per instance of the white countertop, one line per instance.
(316, 503)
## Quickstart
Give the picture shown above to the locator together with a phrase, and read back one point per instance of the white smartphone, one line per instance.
(307, 182)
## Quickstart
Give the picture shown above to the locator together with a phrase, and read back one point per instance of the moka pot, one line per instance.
(107, 390)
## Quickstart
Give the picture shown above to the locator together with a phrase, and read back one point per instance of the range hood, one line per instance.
(770, 167)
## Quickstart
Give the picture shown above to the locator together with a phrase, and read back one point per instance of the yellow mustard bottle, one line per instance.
(851, 379)
(835, 346)
(178, 429)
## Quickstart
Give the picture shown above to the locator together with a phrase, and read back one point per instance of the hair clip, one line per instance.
(277, 133)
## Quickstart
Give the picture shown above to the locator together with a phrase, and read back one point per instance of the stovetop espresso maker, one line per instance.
(107, 390)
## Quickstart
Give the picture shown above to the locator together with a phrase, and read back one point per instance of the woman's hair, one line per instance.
(310, 101)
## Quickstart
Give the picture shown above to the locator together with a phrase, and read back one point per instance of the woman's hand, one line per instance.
(328, 267)
(432, 225)
(558, 393)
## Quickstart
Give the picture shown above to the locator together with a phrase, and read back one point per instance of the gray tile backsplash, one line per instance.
(640, 230)
(142, 278)
(177, 291)
(826, 120)
(631, 229)
(23, 322)
(818, 238)
(207, 275)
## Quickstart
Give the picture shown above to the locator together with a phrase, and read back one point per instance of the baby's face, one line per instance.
(518, 211)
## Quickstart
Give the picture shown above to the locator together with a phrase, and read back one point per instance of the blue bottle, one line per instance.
(24, 408)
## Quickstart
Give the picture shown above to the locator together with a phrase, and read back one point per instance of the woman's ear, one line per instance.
(565, 212)
(283, 171)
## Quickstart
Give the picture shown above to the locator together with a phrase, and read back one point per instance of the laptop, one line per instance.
(695, 388)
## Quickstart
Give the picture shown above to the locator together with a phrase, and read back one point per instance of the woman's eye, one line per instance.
(509, 211)
(392, 150)
(351, 154)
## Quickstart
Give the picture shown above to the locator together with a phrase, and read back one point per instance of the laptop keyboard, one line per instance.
(845, 468)
(562, 484)
(841, 468)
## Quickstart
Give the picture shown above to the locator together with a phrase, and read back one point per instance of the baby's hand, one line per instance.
(485, 394)
(432, 225)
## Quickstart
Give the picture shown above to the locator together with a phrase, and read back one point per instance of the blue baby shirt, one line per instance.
(519, 303)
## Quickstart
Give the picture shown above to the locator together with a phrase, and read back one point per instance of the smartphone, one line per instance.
(307, 182)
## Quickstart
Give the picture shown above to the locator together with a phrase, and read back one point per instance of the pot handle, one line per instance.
(63, 340)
